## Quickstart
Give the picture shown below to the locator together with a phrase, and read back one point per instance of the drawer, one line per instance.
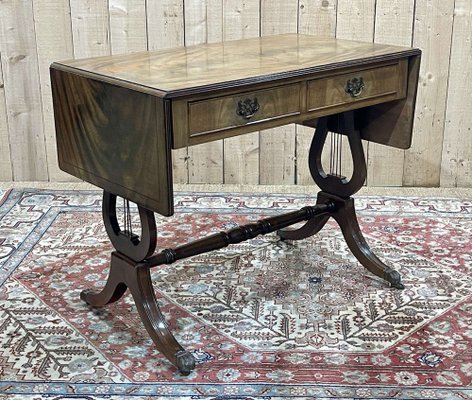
(383, 83)
(212, 115)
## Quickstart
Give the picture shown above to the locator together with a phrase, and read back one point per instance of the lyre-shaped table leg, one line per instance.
(336, 190)
(129, 269)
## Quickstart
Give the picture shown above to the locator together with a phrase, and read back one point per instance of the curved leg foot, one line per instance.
(125, 273)
(141, 288)
(311, 227)
(113, 291)
(185, 362)
(345, 216)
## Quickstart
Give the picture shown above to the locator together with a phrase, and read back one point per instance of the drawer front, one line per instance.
(211, 115)
(385, 83)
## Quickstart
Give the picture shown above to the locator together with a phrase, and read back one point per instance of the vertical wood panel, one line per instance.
(90, 28)
(23, 93)
(241, 153)
(37, 32)
(165, 27)
(277, 146)
(393, 25)
(5, 160)
(165, 22)
(456, 167)
(52, 22)
(315, 18)
(127, 25)
(215, 20)
(205, 160)
(432, 33)
(195, 12)
(278, 16)
(355, 21)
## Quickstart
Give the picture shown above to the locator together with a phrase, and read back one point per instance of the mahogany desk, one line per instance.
(119, 117)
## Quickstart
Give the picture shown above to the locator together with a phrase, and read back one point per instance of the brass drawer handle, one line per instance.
(247, 107)
(355, 86)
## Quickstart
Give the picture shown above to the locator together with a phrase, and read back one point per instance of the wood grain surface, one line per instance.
(23, 102)
(433, 33)
(114, 138)
(212, 115)
(193, 69)
(128, 28)
(382, 81)
(277, 146)
(5, 161)
(90, 28)
(216, 114)
(388, 123)
(457, 146)
(105, 129)
(52, 25)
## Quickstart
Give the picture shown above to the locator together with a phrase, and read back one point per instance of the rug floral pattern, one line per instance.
(264, 318)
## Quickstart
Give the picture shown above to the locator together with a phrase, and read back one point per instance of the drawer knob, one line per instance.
(247, 107)
(355, 86)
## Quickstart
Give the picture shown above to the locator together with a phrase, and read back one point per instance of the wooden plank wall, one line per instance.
(33, 33)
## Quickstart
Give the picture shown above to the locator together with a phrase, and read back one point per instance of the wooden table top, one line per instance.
(118, 117)
(193, 69)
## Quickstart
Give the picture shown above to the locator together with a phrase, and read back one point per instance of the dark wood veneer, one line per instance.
(115, 138)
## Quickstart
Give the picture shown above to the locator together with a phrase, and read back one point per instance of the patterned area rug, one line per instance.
(264, 319)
